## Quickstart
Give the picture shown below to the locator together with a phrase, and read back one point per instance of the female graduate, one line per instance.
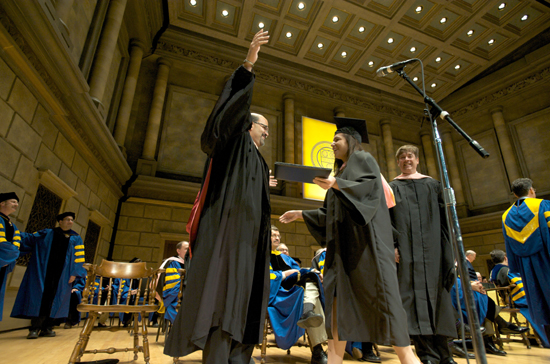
(354, 224)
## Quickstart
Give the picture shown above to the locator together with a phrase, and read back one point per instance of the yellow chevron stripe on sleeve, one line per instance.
(2, 233)
(2, 240)
(171, 270)
(79, 260)
(517, 288)
(79, 247)
(170, 285)
(171, 277)
(79, 253)
(16, 244)
(547, 214)
(17, 238)
(515, 279)
(272, 276)
(518, 296)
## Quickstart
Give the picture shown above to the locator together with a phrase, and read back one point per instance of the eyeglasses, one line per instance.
(266, 128)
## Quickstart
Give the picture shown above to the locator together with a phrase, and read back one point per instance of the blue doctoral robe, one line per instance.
(9, 252)
(481, 302)
(29, 298)
(526, 229)
(286, 305)
(172, 282)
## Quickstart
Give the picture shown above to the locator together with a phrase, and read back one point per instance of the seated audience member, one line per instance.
(172, 280)
(10, 240)
(295, 302)
(501, 276)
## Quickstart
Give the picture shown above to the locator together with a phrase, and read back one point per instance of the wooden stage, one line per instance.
(15, 348)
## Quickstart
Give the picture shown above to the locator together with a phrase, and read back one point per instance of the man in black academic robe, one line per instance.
(423, 251)
(224, 309)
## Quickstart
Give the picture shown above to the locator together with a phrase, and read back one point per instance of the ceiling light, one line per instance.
(418, 9)
(433, 84)
(457, 67)
(491, 41)
(413, 49)
(390, 40)
(193, 2)
(361, 29)
(320, 45)
(415, 79)
(335, 19)
(525, 17)
(301, 6)
(344, 54)
(443, 20)
(470, 32)
(438, 59)
(261, 25)
(371, 63)
(225, 13)
(501, 6)
(288, 35)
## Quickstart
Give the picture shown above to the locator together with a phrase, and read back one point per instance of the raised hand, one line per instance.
(290, 216)
(259, 39)
(272, 181)
(326, 183)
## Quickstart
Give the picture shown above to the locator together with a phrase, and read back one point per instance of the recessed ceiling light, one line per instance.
(457, 67)
(525, 17)
(261, 25)
(443, 20)
(491, 41)
(433, 84)
(320, 45)
(193, 2)
(301, 6)
(335, 19)
(413, 49)
(501, 6)
(361, 29)
(415, 79)
(470, 32)
(225, 13)
(371, 63)
(344, 54)
(418, 9)
(288, 35)
(438, 59)
(390, 40)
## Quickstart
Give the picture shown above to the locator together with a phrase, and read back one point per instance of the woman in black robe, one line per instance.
(354, 225)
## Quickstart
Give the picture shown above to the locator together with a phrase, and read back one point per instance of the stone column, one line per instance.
(290, 188)
(123, 118)
(454, 176)
(427, 144)
(340, 112)
(155, 114)
(385, 125)
(506, 147)
(106, 50)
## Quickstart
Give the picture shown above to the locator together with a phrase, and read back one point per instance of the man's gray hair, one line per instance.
(470, 252)
(273, 227)
(521, 186)
(178, 245)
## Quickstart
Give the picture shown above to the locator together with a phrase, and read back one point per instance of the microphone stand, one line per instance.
(451, 214)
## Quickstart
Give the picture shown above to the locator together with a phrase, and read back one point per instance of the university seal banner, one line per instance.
(317, 136)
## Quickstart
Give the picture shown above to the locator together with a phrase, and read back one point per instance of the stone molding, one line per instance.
(542, 75)
(287, 82)
(55, 184)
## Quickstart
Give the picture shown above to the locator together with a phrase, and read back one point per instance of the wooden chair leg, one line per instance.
(264, 342)
(497, 335)
(83, 339)
(145, 340)
(376, 351)
(136, 334)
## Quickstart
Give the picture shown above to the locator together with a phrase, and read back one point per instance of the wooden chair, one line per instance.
(304, 341)
(507, 305)
(148, 279)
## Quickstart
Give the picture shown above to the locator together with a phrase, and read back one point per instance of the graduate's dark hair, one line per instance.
(497, 256)
(521, 186)
(353, 146)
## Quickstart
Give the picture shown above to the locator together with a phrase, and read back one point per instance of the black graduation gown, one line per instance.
(354, 224)
(228, 280)
(425, 269)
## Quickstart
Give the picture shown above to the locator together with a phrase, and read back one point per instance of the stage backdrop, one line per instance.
(317, 136)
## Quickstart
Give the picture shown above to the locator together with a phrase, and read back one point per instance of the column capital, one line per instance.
(339, 110)
(385, 121)
(425, 131)
(496, 109)
(288, 96)
(163, 61)
(135, 42)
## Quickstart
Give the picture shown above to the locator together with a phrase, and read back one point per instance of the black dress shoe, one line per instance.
(459, 352)
(490, 348)
(318, 356)
(371, 357)
(310, 319)
(47, 333)
(33, 334)
(512, 329)
(427, 362)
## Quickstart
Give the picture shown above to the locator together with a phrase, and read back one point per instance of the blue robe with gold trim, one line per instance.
(29, 298)
(9, 252)
(526, 229)
(172, 282)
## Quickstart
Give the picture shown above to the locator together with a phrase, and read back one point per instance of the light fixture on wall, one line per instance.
(225, 13)
(457, 67)
(419, 9)
(361, 29)
(301, 6)
(193, 2)
(261, 25)
(371, 64)
(433, 85)
(390, 40)
(335, 19)
(491, 42)
(443, 20)
(501, 6)
(413, 49)
(288, 35)
(320, 45)
(438, 59)
(470, 32)
(344, 54)
(525, 17)
(415, 79)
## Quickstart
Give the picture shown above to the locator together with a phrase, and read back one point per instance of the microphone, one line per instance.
(383, 71)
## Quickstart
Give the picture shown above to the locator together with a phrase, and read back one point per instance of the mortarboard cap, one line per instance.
(8, 196)
(357, 128)
(64, 215)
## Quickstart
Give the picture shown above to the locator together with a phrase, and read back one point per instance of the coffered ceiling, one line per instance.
(456, 39)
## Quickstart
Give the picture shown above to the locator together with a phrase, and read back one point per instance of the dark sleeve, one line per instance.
(361, 193)
(502, 277)
(316, 224)
(231, 114)
(447, 260)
